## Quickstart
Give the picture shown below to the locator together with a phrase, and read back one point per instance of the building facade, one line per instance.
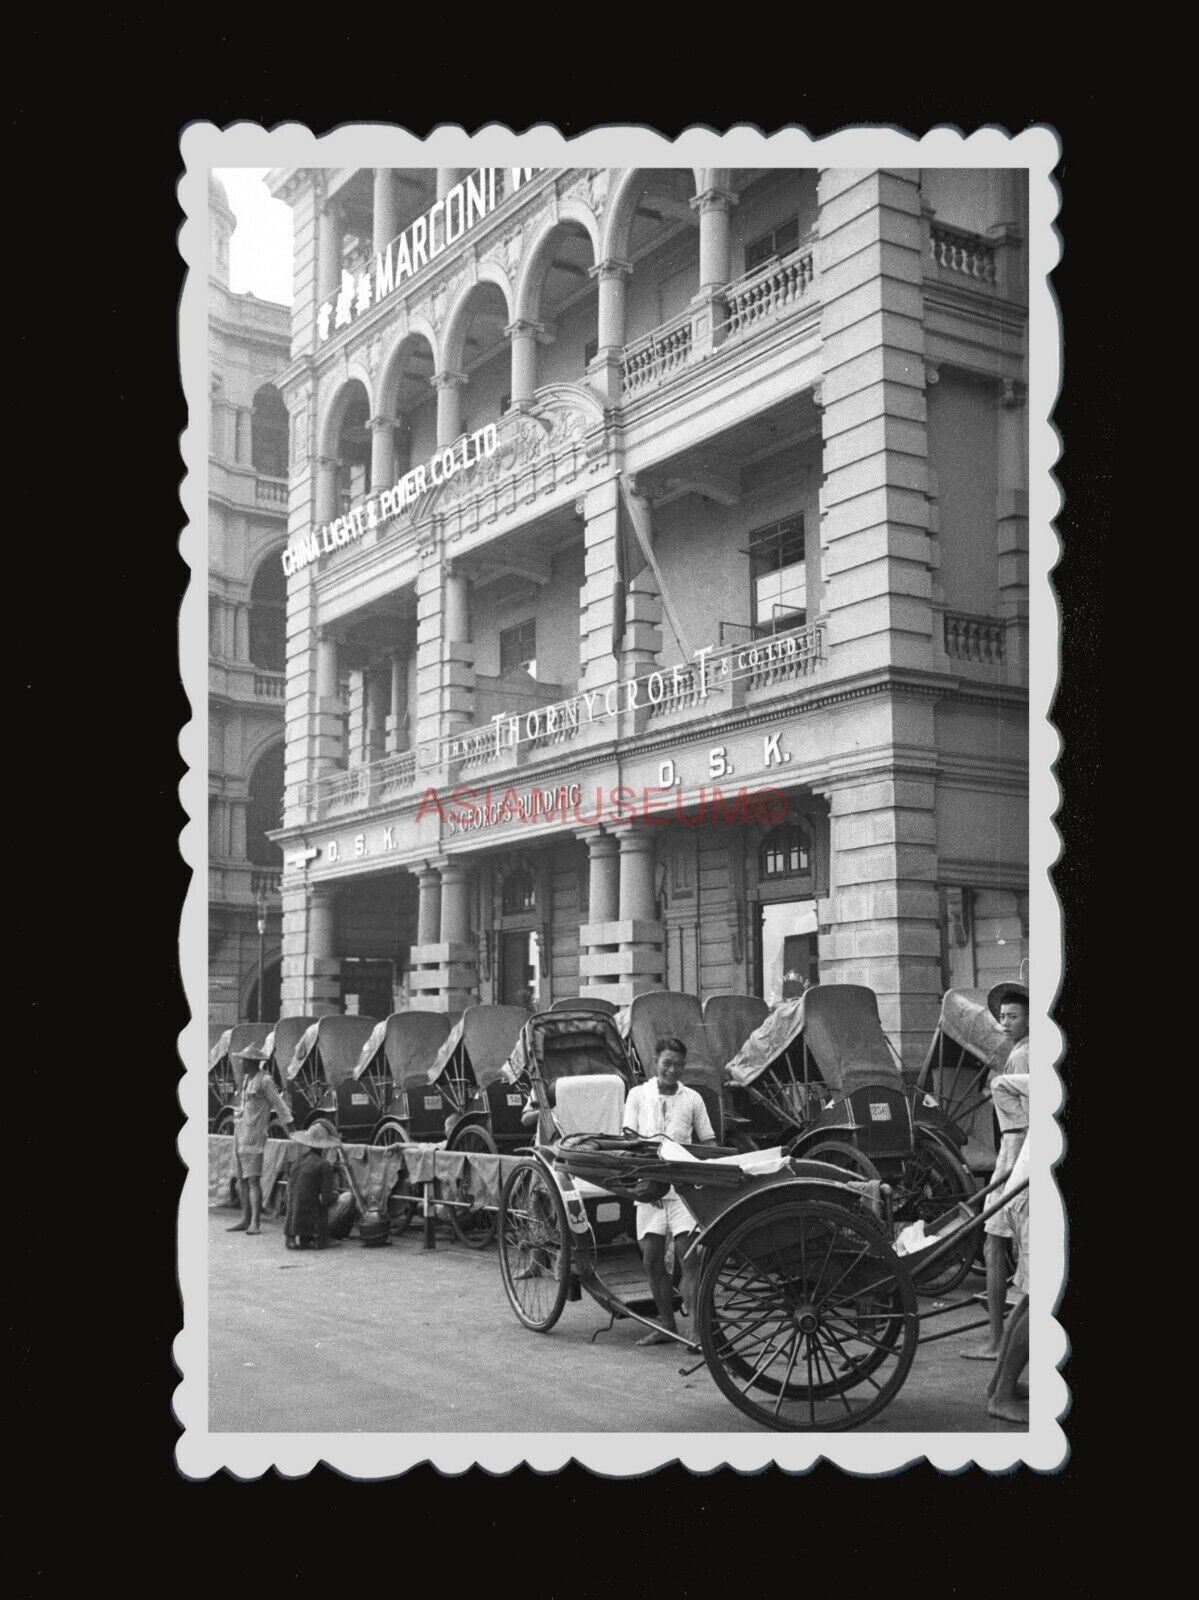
(656, 586)
(249, 344)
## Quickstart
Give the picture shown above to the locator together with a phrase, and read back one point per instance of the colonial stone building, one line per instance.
(657, 594)
(247, 531)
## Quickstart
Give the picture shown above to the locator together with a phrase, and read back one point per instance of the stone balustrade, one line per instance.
(968, 255)
(971, 638)
(768, 291)
(270, 685)
(266, 881)
(656, 356)
(270, 491)
(353, 788)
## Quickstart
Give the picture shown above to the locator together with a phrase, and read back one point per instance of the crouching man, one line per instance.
(666, 1107)
(311, 1190)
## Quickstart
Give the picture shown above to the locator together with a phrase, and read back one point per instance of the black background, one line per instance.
(92, 1345)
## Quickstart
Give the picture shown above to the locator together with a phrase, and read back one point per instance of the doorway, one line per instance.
(788, 955)
(366, 988)
(520, 969)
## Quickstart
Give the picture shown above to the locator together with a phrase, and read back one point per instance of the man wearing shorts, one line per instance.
(257, 1099)
(1005, 1397)
(1008, 1003)
(666, 1107)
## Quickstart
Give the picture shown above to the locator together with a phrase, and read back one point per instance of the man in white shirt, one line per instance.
(665, 1107)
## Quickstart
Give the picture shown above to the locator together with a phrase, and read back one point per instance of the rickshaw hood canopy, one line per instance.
(966, 1019)
(409, 1041)
(338, 1042)
(840, 1026)
(486, 1035)
(593, 1031)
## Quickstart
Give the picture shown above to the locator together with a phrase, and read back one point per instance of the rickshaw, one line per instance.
(968, 1049)
(822, 1075)
(482, 1109)
(806, 1315)
(388, 1099)
(325, 1054)
(225, 1071)
(574, 1002)
(662, 1014)
(730, 1019)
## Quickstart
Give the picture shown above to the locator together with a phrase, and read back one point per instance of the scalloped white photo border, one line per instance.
(200, 1452)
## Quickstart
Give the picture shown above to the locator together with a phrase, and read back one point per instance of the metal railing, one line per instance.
(351, 788)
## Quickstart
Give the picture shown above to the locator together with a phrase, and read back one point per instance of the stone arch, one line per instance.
(268, 612)
(264, 793)
(459, 317)
(265, 740)
(622, 207)
(537, 260)
(418, 328)
(334, 410)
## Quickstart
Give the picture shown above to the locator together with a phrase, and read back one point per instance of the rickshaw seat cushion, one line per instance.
(592, 1104)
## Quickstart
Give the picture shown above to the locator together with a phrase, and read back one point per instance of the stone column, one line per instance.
(328, 251)
(600, 509)
(448, 178)
(378, 687)
(237, 830)
(241, 647)
(605, 370)
(640, 957)
(599, 936)
(1011, 515)
(325, 508)
(1011, 268)
(329, 741)
(323, 968)
(449, 386)
(383, 473)
(525, 336)
(384, 222)
(428, 915)
(884, 905)
(878, 580)
(397, 733)
(715, 207)
(442, 972)
(458, 654)
(242, 452)
(356, 719)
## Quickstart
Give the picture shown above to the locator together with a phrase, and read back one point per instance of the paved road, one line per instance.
(407, 1340)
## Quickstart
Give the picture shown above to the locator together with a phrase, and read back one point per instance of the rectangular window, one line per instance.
(779, 241)
(778, 576)
(518, 648)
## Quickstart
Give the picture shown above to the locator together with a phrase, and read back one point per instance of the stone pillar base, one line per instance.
(618, 960)
(442, 977)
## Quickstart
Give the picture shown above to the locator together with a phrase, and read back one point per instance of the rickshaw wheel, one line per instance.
(224, 1124)
(807, 1317)
(474, 1229)
(839, 1153)
(534, 1246)
(400, 1211)
(934, 1180)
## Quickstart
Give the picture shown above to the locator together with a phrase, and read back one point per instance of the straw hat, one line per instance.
(253, 1052)
(1006, 991)
(319, 1137)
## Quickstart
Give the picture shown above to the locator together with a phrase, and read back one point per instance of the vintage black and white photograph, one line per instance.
(621, 946)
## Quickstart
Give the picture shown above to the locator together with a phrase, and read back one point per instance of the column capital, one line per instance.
(714, 199)
(610, 267)
(449, 380)
(599, 840)
(634, 840)
(522, 326)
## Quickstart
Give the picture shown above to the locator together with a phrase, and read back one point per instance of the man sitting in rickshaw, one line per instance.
(666, 1107)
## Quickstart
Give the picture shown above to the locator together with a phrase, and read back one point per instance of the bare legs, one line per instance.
(1003, 1399)
(251, 1206)
(654, 1247)
(995, 1256)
